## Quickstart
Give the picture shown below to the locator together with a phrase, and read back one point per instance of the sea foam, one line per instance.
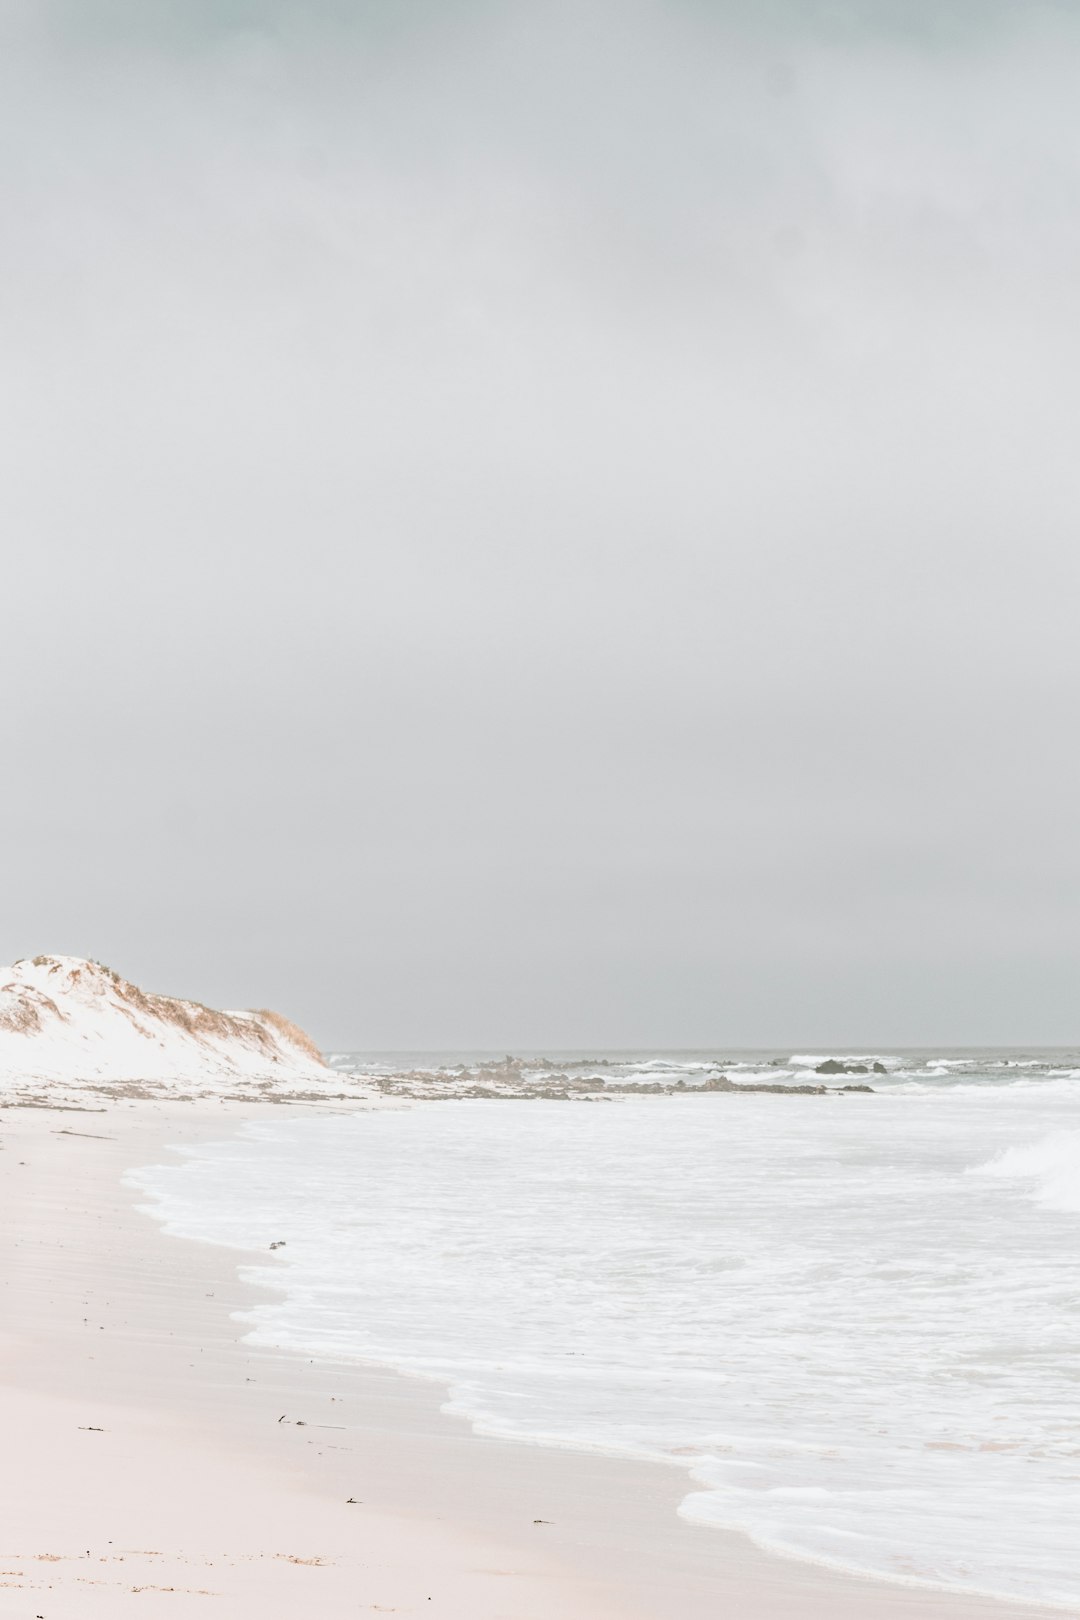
(858, 1351)
(1051, 1165)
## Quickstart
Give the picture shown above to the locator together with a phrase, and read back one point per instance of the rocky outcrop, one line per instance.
(844, 1066)
(538, 1079)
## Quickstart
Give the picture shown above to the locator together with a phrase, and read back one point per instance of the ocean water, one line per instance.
(853, 1321)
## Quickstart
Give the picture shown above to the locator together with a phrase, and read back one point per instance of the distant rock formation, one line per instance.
(65, 1019)
(842, 1066)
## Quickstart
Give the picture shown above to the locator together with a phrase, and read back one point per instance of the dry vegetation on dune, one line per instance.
(77, 1023)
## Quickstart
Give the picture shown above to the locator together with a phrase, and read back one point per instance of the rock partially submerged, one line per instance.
(539, 1080)
(63, 1019)
(722, 1083)
(848, 1066)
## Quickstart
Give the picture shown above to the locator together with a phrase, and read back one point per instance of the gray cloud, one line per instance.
(543, 526)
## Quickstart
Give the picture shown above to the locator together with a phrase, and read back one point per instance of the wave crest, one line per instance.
(1052, 1164)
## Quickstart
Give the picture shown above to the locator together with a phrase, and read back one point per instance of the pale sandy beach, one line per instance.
(152, 1463)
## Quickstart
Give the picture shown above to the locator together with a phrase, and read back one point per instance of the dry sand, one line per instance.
(152, 1464)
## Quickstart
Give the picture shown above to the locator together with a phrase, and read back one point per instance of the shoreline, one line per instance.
(148, 1450)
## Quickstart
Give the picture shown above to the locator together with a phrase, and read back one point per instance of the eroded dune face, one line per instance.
(63, 1018)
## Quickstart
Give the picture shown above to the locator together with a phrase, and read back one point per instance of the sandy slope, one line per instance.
(79, 1023)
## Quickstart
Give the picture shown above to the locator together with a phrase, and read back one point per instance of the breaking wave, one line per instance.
(1051, 1166)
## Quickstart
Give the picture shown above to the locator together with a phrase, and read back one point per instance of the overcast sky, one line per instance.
(546, 525)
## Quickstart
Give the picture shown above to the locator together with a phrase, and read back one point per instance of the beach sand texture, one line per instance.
(153, 1464)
